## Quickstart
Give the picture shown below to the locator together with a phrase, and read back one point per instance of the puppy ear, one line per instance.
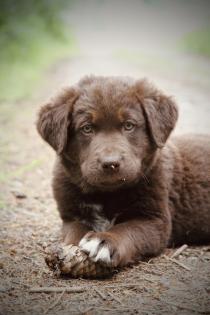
(54, 119)
(161, 112)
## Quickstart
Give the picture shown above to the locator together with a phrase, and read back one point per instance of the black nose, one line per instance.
(110, 164)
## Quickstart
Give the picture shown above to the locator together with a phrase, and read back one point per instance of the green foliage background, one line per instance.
(197, 42)
(33, 35)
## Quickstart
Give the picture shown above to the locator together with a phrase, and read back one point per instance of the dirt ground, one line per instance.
(29, 218)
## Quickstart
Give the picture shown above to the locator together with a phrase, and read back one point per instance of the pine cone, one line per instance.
(70, 260)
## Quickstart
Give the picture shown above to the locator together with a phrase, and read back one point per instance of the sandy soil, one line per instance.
(29, 217)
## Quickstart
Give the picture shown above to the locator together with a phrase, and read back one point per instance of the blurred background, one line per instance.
(45, 42)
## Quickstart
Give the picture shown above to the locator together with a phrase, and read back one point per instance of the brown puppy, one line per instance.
(123, 191)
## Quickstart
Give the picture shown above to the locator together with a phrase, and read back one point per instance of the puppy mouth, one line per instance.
(105, 181)
(118, 182)
(108, 185)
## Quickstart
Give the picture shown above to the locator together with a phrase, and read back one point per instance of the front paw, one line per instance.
(101, 247)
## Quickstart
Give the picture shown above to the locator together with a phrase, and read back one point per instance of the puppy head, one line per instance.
(107, 130)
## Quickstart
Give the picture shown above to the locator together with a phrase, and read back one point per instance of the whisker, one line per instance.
(145, 177)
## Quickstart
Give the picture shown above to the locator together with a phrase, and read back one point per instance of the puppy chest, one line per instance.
(108, 210)
(95, 216)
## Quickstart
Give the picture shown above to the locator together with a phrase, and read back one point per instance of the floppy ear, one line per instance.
(54, 119)
(161, 112)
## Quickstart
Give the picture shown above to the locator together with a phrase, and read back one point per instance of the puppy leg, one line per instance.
(127, 242)
(73, 232)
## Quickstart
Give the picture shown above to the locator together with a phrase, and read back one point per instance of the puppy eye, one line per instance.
(128, 125)
(87, 129)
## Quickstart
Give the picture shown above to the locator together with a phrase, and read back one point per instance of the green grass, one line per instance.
(197, 42)
(32, 37)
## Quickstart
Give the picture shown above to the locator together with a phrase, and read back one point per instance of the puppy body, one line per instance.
(189, 198)
(124, 191)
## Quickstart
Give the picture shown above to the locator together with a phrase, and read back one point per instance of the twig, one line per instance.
(28, 258)
(86, 310)
(57, 289)
(177, 262)
(148, 279)
(100, 293)
(180, 264)
(55, 303)
(122, 285)
(118, 309)
(107, 309)
(20, 283)
(115, 298)
(82, 289)
(179, 251)
(185, 307)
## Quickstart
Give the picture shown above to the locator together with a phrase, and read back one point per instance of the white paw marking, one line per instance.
(103, 255)
(89, 246)
(94, 250)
